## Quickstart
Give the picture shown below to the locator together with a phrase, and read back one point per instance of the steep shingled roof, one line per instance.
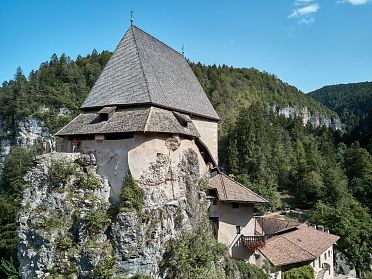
(302, 244)
(143, 70)
(230, 190)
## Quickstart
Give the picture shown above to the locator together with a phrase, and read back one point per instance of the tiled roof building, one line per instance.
(145, 71)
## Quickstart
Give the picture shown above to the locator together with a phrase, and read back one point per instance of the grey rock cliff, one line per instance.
(27, 131)
(67, 228)
(316, 119)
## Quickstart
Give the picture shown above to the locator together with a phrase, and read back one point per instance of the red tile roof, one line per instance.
(300, 245)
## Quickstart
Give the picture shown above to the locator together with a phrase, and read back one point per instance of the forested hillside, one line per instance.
(64, 83)
(231, 89)
(352, 102)
(265, 151)
(313, 166)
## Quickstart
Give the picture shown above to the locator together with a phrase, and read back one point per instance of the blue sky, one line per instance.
(306, 43)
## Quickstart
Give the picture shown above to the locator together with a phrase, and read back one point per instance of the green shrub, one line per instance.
(50, 223)
(193, 255)
(60, 171)
(88, 181)
(104, 269)
(248, 270)
(304, 272)
(132, 196)
(63, 242)
(96, 220)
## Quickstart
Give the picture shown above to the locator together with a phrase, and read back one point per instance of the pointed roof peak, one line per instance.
(145, 71)
(137, 29)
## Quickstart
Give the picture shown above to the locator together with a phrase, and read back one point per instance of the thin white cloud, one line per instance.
(353, 2)
(304, 11)
(303, 1)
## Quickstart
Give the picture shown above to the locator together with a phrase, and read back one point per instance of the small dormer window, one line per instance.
(104, 116)
(106, 113)
(183, 119)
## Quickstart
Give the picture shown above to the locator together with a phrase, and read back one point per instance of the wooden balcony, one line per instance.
(253, 242)
(253, 238)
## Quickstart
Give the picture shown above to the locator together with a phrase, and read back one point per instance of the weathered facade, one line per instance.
(231, 212)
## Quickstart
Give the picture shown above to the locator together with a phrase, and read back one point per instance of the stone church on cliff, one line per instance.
(144, 112)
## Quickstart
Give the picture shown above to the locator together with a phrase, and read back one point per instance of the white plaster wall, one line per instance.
(315, 264)
(137, 155)
(317, 268)
(112, 160)
(208, 131)
(229, 218)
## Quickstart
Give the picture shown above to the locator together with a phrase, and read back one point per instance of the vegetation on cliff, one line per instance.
(17, 163)
(352, 101)
(231, 89)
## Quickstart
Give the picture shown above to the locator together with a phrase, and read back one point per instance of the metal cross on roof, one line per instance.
(131, 17)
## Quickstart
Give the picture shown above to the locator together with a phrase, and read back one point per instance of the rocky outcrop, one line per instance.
(25, 132)
(68, 228)
(62, 218)
(29, 130)
(316, 119)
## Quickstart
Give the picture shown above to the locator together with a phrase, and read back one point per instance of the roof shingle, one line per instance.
(302, 244)
(230, 190)
(149, 119)
(143, 70)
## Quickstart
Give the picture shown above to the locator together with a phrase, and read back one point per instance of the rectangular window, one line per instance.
(325, 256)
(238, 229)
(320, 263)
(235, 205)
(329, 253)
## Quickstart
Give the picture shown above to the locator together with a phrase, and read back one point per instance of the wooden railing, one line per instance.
(253, 242)
(246, 239)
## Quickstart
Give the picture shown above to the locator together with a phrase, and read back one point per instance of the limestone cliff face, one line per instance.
(67, 227)
(316, 119)
(26, 132)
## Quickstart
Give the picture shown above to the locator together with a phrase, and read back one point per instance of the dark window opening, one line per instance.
(212, 192)
(104, 116)
(235, 205)
(214, 202)
(238, 229)
(118, 136)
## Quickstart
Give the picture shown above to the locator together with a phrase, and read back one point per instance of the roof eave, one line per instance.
(90, 108)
